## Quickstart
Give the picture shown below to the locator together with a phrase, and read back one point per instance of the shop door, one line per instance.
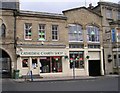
(35, 67)
(94, 68)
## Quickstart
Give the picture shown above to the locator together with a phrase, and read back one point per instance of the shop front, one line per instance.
(40, 61)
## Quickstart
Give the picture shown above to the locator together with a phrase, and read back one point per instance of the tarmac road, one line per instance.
(100, 84)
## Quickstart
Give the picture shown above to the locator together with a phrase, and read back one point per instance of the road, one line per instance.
(100, 84)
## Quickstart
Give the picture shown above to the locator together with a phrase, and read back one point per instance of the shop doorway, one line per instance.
(94, 68)
(5, 64)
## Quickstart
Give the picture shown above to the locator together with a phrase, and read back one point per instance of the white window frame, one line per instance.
(75, 26)
(97, 36)
(118, 15)
(109, 14)
(42, 30)
(57, 33)
(25, 32)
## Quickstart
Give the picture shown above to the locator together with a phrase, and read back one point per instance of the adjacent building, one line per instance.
(111, 34)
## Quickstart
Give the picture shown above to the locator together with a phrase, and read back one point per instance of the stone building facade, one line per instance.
(76, 42)
(111, 30)
(85, 37)
(7, 37)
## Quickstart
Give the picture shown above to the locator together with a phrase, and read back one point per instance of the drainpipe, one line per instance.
(15, 30)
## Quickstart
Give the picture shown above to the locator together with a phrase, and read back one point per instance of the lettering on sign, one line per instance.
(46, 53)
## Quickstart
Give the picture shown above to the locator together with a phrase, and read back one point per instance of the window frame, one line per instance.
(76, 61)
(54, 33)
(25, 31)
(27, 62)
(109, 14)
(118, 15)
(96, 31)
(74, 36)
(3, 31)
(42, 31)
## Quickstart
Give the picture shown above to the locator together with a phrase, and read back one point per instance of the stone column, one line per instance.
(102, 65)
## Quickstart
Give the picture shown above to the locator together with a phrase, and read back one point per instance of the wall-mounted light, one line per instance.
(42, 43)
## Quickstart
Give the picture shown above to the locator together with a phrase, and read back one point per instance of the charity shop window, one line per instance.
(25, 62)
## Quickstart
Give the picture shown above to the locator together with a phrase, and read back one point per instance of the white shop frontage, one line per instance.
(42, 61)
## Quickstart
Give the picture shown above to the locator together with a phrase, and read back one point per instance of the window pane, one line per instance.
(25, 62)
(109, 13)
(78, 58)
(2, 30)
(28, 30)
(54, 32)
(41, 32)
(93, 34)
(75, 33)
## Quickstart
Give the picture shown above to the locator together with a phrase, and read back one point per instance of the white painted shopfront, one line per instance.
(42, 61)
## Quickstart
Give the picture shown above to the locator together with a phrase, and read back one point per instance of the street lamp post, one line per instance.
(73, 66)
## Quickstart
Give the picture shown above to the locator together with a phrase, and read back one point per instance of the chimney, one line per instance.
(90, 6)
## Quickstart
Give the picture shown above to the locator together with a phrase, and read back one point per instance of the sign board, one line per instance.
(41, 52)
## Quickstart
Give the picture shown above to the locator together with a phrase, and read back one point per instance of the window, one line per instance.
(109, 14)
(93, 34)
(75, 46)
(28, 31)
(94, 46)
(118, 15)
(41, 32)
(78, 58)
(2, 30)
(34, 63)
(51, 64)
(116, 63)
(119, 59)
(75, 33)
(25, 62)
(54, 32)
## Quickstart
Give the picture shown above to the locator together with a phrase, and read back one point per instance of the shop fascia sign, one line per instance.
(42, 53)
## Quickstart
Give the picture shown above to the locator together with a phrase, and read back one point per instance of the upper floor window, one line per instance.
(75, 32)
(2, 30)
(28, 31)
(41, 32)
(76, 45)
(93, 34)
(54, 32)
(109, 13)
(118, 15)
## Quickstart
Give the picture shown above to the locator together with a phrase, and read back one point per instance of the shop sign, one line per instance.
(42, 53)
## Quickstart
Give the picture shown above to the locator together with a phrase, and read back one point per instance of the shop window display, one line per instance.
(51, 64)
(25, 63)
(78, 58)
(34, 63)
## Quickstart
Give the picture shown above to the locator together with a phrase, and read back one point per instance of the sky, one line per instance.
(56, 6)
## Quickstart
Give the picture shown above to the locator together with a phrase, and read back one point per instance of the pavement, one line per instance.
(63, 78)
